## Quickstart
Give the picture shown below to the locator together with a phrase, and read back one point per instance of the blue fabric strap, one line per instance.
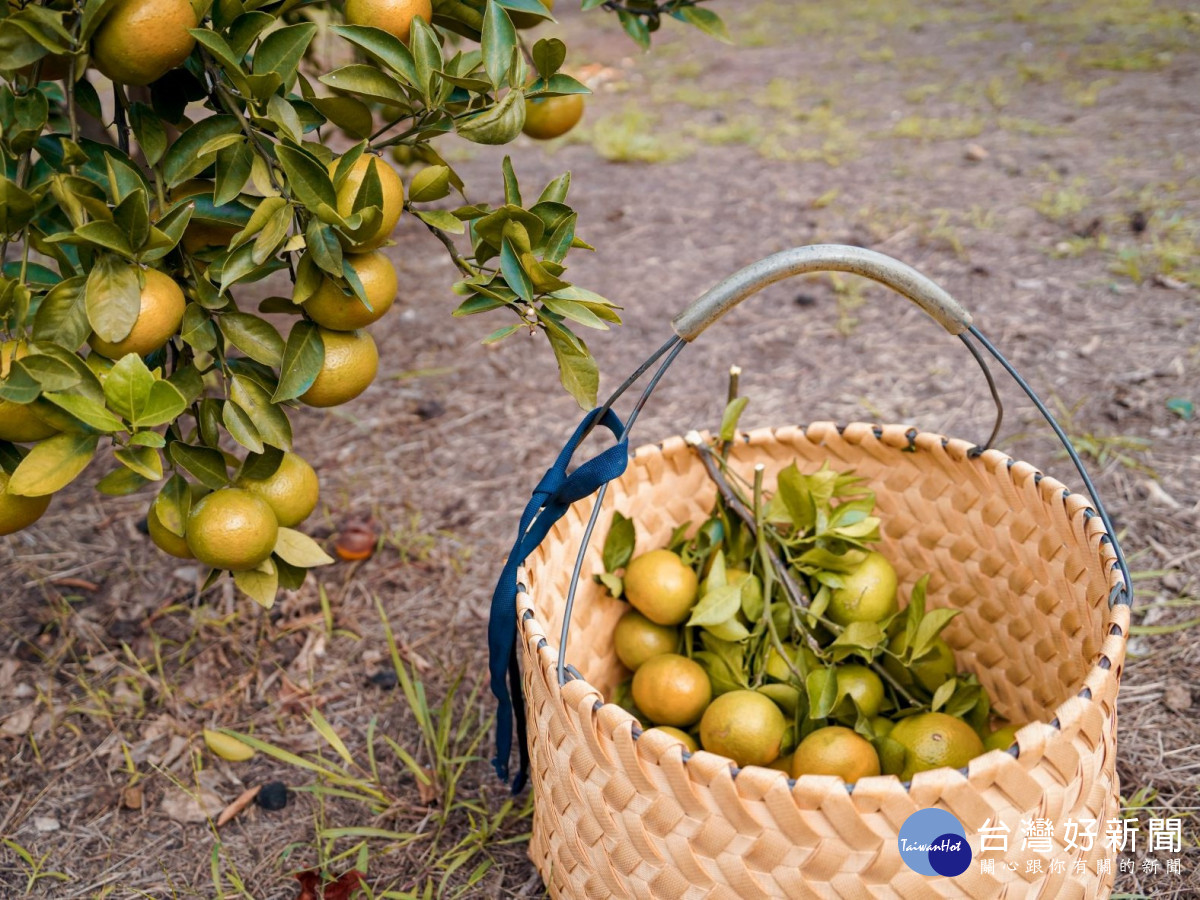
(553, 495)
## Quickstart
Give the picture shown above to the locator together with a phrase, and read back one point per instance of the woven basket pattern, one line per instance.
(623, 814)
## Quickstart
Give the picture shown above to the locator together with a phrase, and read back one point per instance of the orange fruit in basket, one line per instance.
(835, 750)
(672, 690)
(933, 668)
(1002, 738)
(862, 686)
(867, 594)
(661, 587)
(637, 639)
(680, 735)
(932, 740)
(803, 659)
(745, 726)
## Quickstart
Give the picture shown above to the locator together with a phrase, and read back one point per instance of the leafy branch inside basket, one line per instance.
(783, 594)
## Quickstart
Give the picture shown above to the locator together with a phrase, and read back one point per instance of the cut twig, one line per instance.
(797, 596)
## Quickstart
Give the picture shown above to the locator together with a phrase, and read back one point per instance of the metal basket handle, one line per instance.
(901, 278)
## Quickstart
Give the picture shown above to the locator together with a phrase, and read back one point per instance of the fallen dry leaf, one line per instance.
(191, 808)
(427, 789)
(342, 889)
(244, 799)
(1177, 697)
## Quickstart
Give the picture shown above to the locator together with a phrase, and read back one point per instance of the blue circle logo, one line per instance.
(934, 842)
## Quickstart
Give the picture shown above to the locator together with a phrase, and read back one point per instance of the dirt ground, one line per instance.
(1037, 159)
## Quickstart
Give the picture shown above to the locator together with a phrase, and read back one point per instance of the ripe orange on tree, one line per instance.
(393, 199)
(529, 20)
(550, 117)
(231, 529)
(351, 362)
(291, 490)
(17, 512)
(19, 422)
(159, 317)
(393, 16)
(139, 41)
(333, 308)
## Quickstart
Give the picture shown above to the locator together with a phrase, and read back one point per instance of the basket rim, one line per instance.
(1103, 666)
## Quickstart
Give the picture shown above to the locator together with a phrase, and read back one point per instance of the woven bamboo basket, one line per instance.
(622, 813)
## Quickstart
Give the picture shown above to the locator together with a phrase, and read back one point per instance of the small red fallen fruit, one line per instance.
(355, 541)
(342, 889)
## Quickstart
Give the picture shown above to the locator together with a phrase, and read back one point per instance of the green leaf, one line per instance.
(441, 219)
(284, 115)
(145, 461)
(204, 464)
(619, 545)
(300, 550)
(272, 237)
(514, 273)
(577, 371)
(427, 56)
(282, 50)
(121, 482)
(197, 329)
(635, 27)
(88, 410)
(307, 179)
(269, 419)
(173, 504)
(349, 113)
(260, 584)
(704, 19)
(548, 56)
(240, 427)
(943, 694)
(862, 637)
(367, 82)
(255, 337)
(183, 160)
(149, 131)
(17, 207)
(512, 192)
(303, 356)
(497, 124)
(729, 421)
(931, 625)
(325, 247)
(614, 583)
(718, 605)
(19, 386)
(113, 298)
(148, 439)
(52, 464)
(499, 39)
(429, 184)
(51, 374)
(821, 687)
(556, 191)
(383, 47)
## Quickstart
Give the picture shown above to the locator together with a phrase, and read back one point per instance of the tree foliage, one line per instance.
(220, 173)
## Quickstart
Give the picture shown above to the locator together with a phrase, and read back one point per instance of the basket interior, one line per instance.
(1007, 546)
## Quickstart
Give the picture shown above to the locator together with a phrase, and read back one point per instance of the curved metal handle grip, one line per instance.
(821, 258)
